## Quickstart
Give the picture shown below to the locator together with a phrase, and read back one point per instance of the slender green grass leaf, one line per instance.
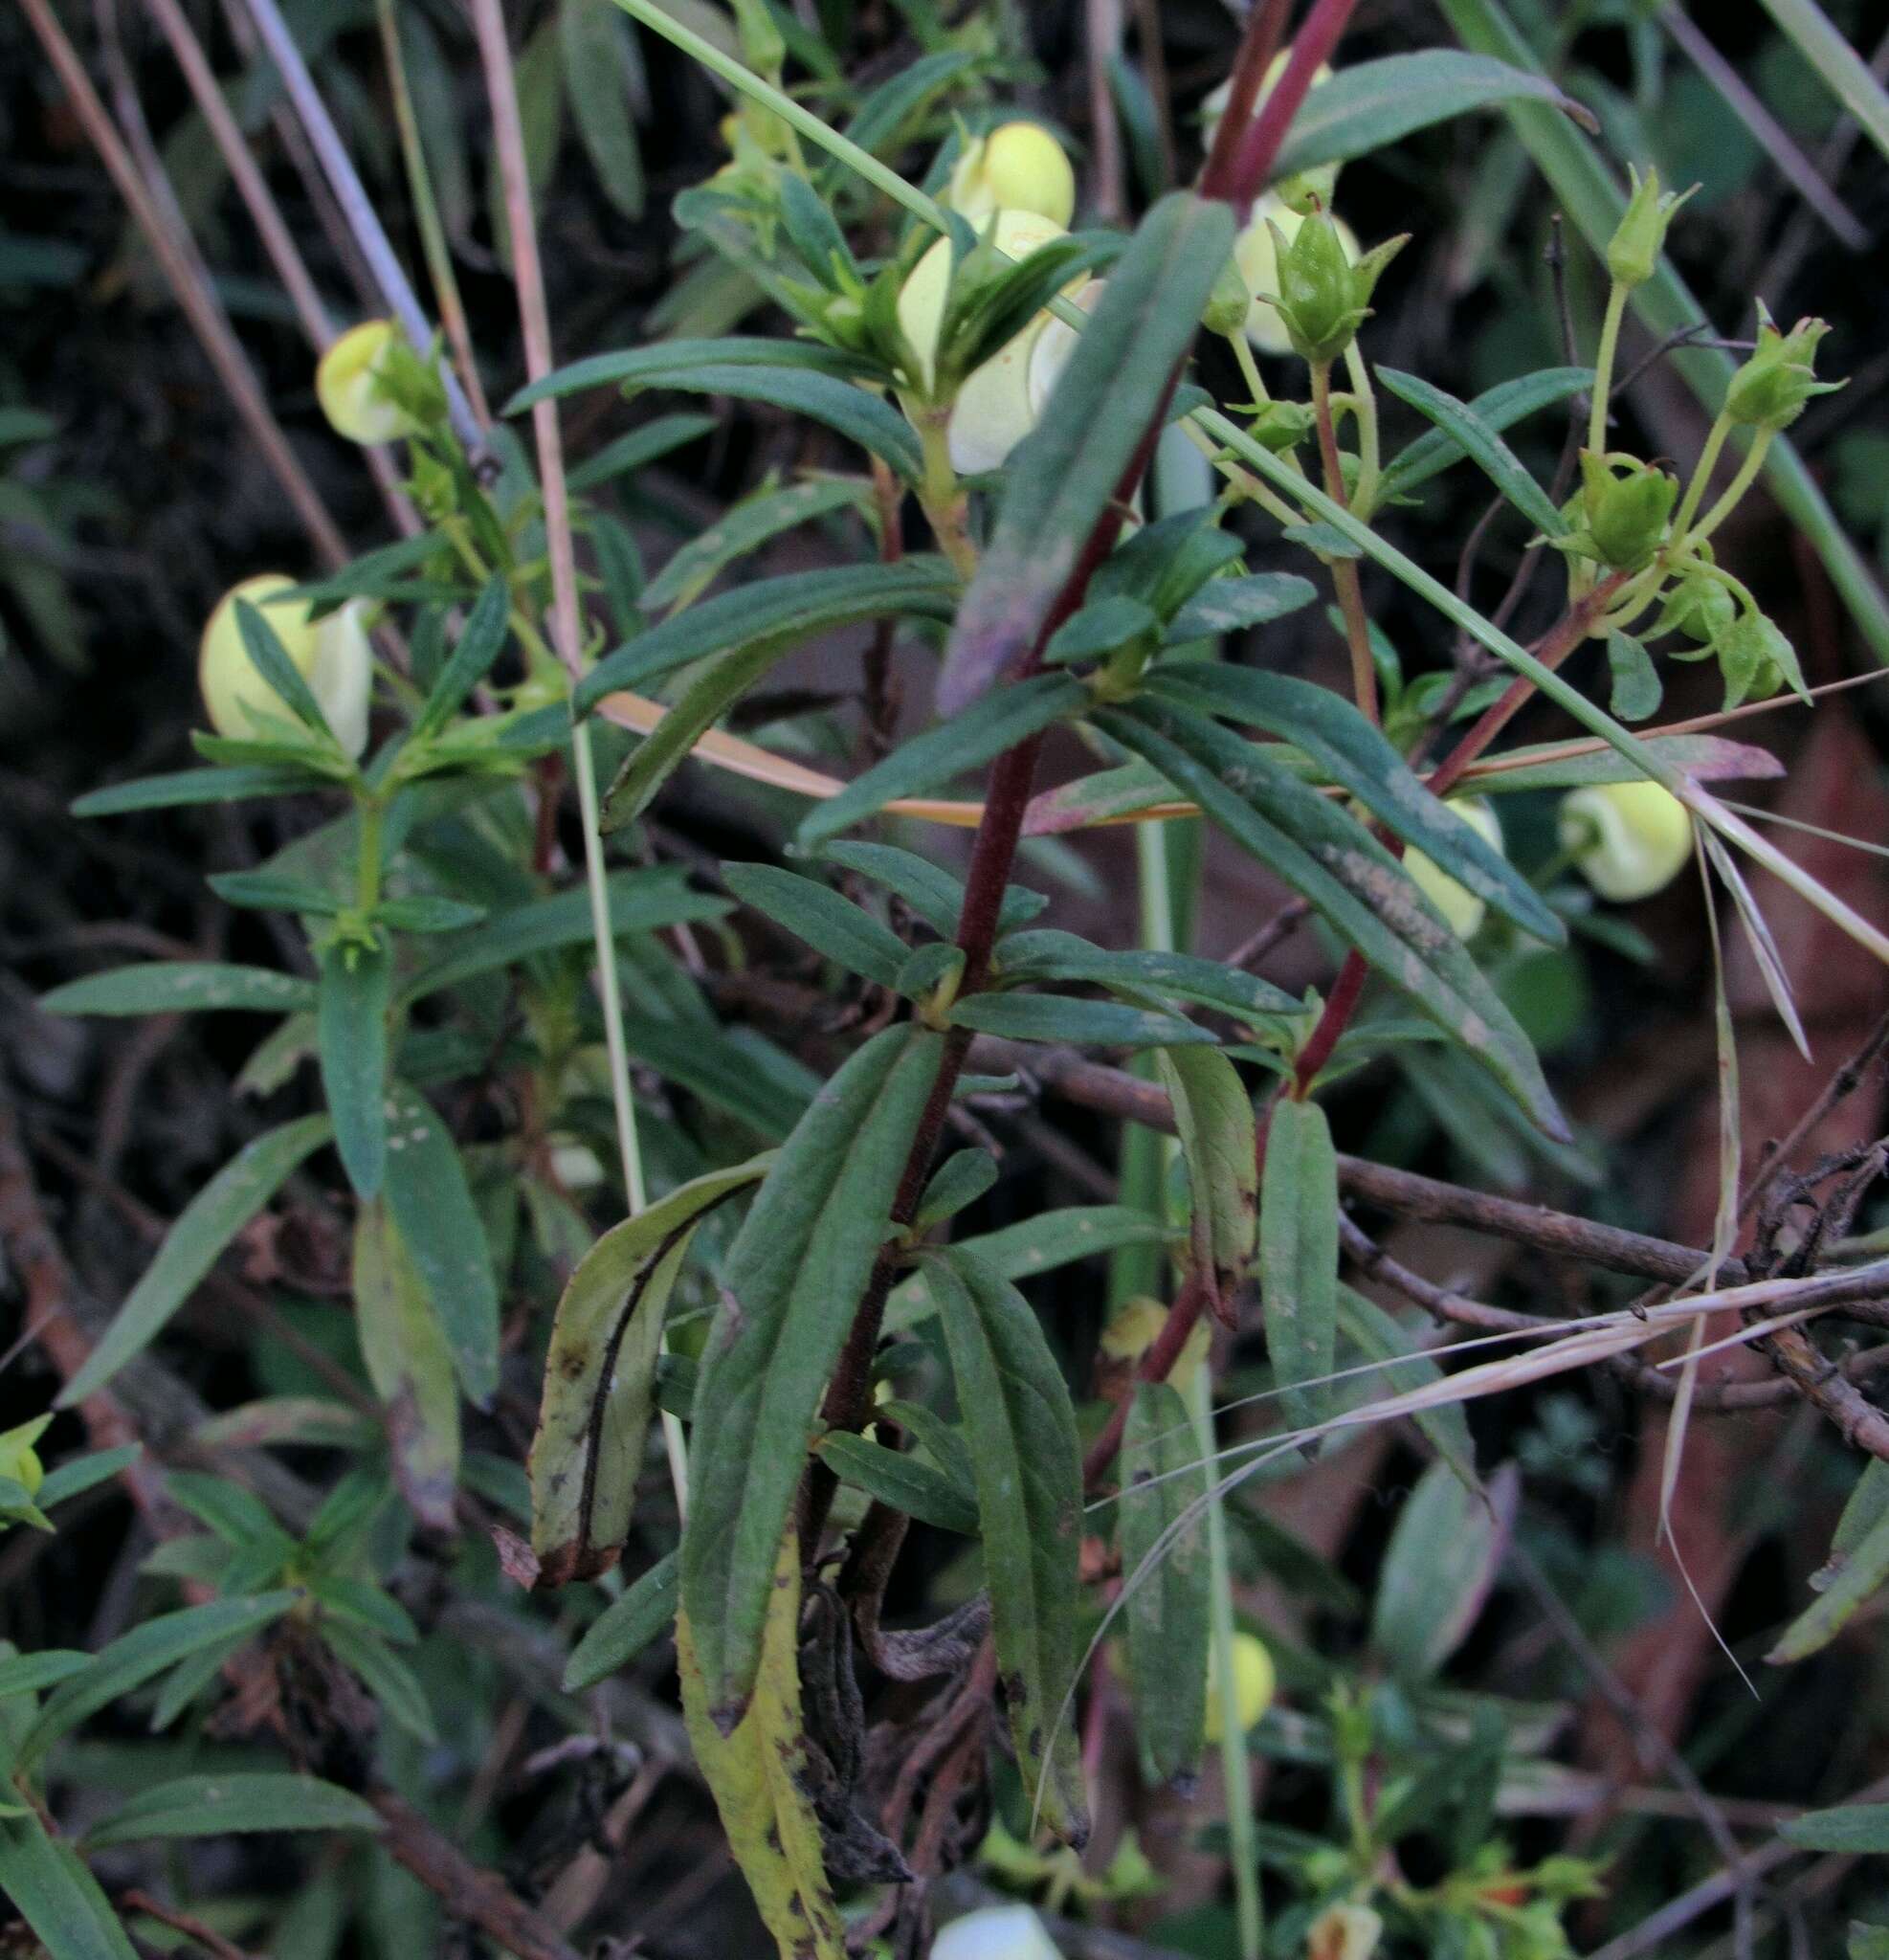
(600, 1377)
(1378, 1337)
(270, 659)
(1497, 409)
(1021, 1429)
(642, 446)
(834, 927)
(193, 1244)
(1370, 104)
(481, 641)
(793, 1278)
(48, 1884)
(1214, 1115)
(1328, 859)
(841, 406)
(899, 1481)
(884, 117)
(26, 1674)
(1481, 444)
(351, 1041)
(387, 1678)
(964, 741)
(774, 612)
(591, 35)
(1064, 1017)
(1345, 749)
(645, 1612)
(81, 1473)
(1062, 478)
(1045, 954)
(742, 529)
(177, 987)
(1299, 1258)
(433, 1206)
(1595, 203)
(1442, 1559)
(135, 1657)
(1166, 1616)
(409, 1362)
(710, 1063)
(236, 1801)
(1847, 75)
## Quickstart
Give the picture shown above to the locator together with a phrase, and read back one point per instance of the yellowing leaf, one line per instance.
(756, 1774)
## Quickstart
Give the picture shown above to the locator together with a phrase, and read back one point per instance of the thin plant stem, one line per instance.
(1702, 477)
(356, 207)
(1364, 406)
(1236, 1775)
(1610, 344)
(433, 247)
(1345, 570)
(1748, 472)
(567, 622)
(212, 329)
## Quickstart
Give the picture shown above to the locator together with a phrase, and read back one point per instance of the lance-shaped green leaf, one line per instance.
(777, 612)
(1021, 1430)
(593, 41)
(1864, 1569)
(832, 925)
(656, 366)
(181, 987)
(639, 448)
(718, 1066)
(1105, 402)
(1442, 1559)
(181, 787)
(1346, 749)
(481, 644)
(433, 1205)
(645, 1612)
(193, 1244)
(1214, 1115)
(1481, 444)
(899, 1481)
(1046, 954)
(1853, 1830)
(759, 1774)
(1064, 1017)
(1373, 103)
(392, 1682)
(1298, 1257)
(600, 1374)
(26, 1674)
(961, 1180)
(793, 1280)
(1378, 1337)
(1705, 758)
(1231, 605)
(932, 892)
(409, 1362)
(1636, 688)
(50, 1886)
(964, 741)
(1166, 1617)
(234, 1801)
(739, 530)
(351, 1041)
(270, 658)
(1496, 409)
(135, 1657)
(1326, 856)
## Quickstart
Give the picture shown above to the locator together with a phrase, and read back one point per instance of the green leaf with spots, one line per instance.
(1298, 1257)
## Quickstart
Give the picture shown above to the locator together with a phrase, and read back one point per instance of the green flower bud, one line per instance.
(1626, 513)
(1462, 909)
(1628, 839)
(1776, 382)
(1633, 252)
(1699, 606)
(1757, 660)
(1323, 299)
(19, 1464)
(1256, 253)
(1017, 166)
(1281, 426)
(349, 384)
(1229, 303)
(332, 654)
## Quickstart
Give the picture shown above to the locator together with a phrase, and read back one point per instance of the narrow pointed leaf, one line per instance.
(1064, 1017)
(1166, 1616)
(480, 643)
(1045, 954)
(832, 925)
(1021, 1429)
(48, 1884)
(1496, 409)
(1214, 1115)
(1481, 444)
(652, 366)
(600, 1375)
(1298, 1257)
(172, 986)
(1106, 400)
(626, 1626)
(1864, 1569)
(793, 1278)
(1444, 1553)
(237, 1801)
(899, 1481)
(351, 1039)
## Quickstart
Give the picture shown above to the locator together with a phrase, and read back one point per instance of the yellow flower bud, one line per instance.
(1343, 1932)
(1135, 1327)
(995, 1933)
(1215, 105)
(1629, 839)
(1254, 1683)
(347, 385)
(332, 655)
(1017, 166)
(1459, 907)
(19, 1460)
(1257, 252)
(994, 411)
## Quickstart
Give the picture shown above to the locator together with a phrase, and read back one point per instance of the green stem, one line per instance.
(941, 496)
(1735, 490)
(1609, 342)
(1701, 476)
(1249, 369)
(369, 855)
(1345, 570)
(1364, 406)
(1242, 1840)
